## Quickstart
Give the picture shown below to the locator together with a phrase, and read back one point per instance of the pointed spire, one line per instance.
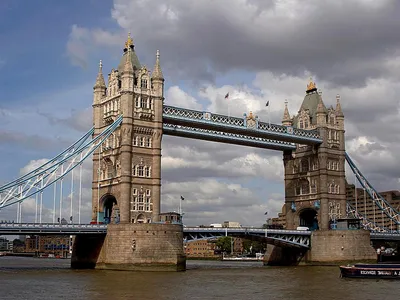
(128, 68)
(286, 115)
(321, 106)
(339, 111)
(100, 79)
(157, 73)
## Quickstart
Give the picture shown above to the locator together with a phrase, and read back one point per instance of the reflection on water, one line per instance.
(33, 278)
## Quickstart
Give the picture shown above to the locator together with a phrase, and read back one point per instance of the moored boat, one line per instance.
(384, 271)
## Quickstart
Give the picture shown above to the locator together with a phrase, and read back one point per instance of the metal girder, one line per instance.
(375, 196)
(56, 169)
(289, 237)
(206, 120)
(225, 137)
(46, 229)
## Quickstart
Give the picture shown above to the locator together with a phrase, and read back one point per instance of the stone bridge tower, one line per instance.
(315, 193)
(127, 168)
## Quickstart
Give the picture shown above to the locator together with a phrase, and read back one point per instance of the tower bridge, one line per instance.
(129, 121)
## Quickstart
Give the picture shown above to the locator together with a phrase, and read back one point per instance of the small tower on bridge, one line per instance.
(126, 170)
(315, 194)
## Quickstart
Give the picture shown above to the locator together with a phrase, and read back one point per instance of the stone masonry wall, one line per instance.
(340, 245)
(143, 247)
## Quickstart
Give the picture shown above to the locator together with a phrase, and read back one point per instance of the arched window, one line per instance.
(148, 171)
(304, 165)
(148, 143)
(305, 187)
(135, 141)
(142, 140)
(143, 83)
(141, 171)
(332, 120)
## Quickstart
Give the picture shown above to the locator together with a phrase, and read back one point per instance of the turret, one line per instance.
(127, 73)
(286, 121)
(99, 88)
(157, 77)
(339, 113)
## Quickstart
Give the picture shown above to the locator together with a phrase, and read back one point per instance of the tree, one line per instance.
(224, 243)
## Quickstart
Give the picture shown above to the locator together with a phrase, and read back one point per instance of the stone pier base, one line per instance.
(328, 247)
(147, 247)
(337, 246)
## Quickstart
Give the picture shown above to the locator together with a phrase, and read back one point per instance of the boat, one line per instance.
(383, 271)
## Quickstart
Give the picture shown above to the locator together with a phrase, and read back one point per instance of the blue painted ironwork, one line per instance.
(44, 176)
(297, 238)
(365, 222)
(48, 229)
(378, 200)
(206, 120)
(225, 137)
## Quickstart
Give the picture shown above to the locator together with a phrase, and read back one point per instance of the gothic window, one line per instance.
(134, 191)
(305, 187)
(110, 169)
(119, 84)
(330, 188)
(306, 123)
(315, 164)
(332, 119)
(137, 101)
(142, 139)
(143, 83)
(304, 165)
(148, 171)
(135, 170)
(135, 141)
(143, 102)
(313, 187)
(298, 190)
(148, 143)
(141, 171)
(337, 189)
(329, 165)
(301, 124)
(140, 205)
(148, 204)
(148, 192)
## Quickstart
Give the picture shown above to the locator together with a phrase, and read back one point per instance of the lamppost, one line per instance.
(180, 208)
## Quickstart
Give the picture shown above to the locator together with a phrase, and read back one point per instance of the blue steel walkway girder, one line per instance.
(225, 137)
(292, 238)
(205, 120)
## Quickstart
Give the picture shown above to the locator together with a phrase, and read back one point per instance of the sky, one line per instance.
(257, 50)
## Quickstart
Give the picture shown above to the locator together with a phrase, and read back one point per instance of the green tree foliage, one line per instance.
(224, 243)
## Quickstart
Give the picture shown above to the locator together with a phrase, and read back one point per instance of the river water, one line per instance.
(35, 278)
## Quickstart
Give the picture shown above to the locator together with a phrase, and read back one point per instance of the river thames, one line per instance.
(35, 278)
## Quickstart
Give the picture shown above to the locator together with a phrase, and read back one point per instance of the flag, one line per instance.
(182, 198)
(227, 96)
(266, 104)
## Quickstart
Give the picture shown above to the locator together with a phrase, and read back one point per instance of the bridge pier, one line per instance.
(132, 246)
(327, 247)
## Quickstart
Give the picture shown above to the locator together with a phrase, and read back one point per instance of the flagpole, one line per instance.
(269, 115)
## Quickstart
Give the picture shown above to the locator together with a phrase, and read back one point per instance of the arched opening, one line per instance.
(108, 203)
(141, 219)
(308, 218)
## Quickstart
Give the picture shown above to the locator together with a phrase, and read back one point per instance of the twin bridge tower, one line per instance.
(127, 167)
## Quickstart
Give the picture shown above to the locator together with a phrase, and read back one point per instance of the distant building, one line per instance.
(230, 224)
(216, 225)
(58, 245)
(200, 248)
(6, 245)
